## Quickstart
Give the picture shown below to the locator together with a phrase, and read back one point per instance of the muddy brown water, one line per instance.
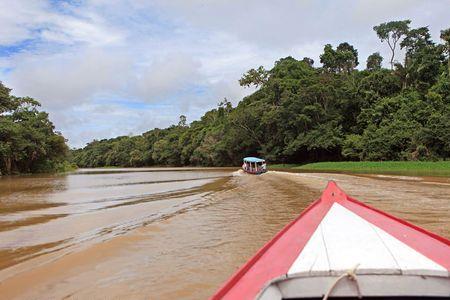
(169, 233)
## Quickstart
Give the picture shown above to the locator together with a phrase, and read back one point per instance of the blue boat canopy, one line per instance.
(253, 159)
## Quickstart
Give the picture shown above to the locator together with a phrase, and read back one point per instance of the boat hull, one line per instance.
(254, 172)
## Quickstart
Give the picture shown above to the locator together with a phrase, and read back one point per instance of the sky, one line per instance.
(106, 68)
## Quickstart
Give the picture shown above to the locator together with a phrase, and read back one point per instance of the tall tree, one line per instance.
(422, 59)
(392, 32)
(415, 40)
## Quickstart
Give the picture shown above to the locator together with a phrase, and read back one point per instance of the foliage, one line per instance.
(374, 61)
(254, 77)
(445, 36)
(28, 142)
(299, 113)
(343, 59)
(392, 32)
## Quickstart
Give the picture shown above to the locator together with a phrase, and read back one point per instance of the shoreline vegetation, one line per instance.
(406, 168)
(59, 168)
(298, 113)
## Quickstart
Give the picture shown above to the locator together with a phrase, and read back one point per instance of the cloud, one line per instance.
(108, 120)
(66, 79)
(105, 68)
(18, 20)
(39, 20)
(170, 75)
(280, 26)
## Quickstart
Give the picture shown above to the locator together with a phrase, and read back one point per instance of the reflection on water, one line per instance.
(165, 233)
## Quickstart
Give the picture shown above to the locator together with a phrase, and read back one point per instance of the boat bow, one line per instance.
(332, 236)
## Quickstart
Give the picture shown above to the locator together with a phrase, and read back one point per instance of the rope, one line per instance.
(350, 274)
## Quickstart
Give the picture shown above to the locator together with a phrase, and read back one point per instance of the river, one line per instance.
(169, 233)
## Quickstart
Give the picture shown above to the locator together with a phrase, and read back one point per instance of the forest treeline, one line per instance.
(301, 113)
(28, 140)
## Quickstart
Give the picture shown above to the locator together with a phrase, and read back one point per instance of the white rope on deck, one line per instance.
(350, 274)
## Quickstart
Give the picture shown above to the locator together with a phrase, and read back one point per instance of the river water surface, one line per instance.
(169, 233)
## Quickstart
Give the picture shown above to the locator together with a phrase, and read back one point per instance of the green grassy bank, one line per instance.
(411, 168)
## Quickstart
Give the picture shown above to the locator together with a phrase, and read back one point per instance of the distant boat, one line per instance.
(254, 165)
(341, 248)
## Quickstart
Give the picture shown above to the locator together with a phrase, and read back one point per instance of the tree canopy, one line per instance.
(343, 59)
(28, 141)
(374, 61)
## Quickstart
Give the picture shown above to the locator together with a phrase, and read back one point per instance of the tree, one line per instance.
(392, 32)
(256, 77)
(328, 59)
(28, 141)
(415, 40)
(6, 102)
(224, 107)
(308, 61)
(374, 61)
(343, 59)
(445, 36)
(183, 121)
(422, 60)
(347, 57)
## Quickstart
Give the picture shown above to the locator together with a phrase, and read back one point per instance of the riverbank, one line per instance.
(409, 168)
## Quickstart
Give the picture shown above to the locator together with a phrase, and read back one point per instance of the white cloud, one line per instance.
(169, 75)
(36, 19)
(280, 26)
(109, 120)
(69, 30)
(105, 68)
(66, 79)
(18, 18)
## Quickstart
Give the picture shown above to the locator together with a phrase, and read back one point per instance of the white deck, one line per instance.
(344, 240)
